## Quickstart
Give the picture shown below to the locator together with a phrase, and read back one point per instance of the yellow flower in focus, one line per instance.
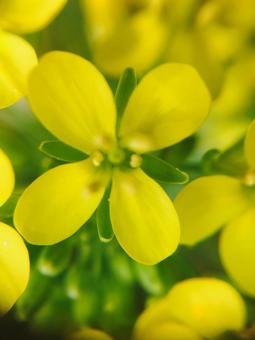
(14, 270)
(72, 99)
(125, 34)
(17, 57)
(208, 203)
(194, 309)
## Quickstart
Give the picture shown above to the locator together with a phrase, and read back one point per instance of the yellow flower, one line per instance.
(124, 34)
(14, 270)
(210, 202)
(88, 334)
(17, 57)
(229, 115)
(194, 309)
(228, 26)
(72, 99)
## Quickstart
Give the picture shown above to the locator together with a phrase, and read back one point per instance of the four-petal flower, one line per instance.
(72, 99)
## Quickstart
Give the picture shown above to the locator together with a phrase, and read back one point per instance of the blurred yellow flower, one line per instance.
(17, 57)
(88, 334)
(228, 26)
(78, 107)
(229, 115)
(125, 33)
(194, 309)
(208, 203)
(14, 271)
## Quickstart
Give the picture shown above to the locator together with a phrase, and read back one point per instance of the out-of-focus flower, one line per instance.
(168, 105)
(89, 334)
(210, 202)
(191, 47)
(125, 33)
(17, 57)
(230, 113)
(14, 271)
(194, 309)
(228, 26)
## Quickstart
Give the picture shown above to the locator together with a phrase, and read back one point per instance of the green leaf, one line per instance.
(231, 162)
(178, 153)
(209, 161)
(104, 226)
(60, 151)
(126, 86)
(163, 171)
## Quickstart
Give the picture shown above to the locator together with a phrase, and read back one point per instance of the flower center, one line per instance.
(116, 156)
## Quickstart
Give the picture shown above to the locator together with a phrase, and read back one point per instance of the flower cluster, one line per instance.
(129, 129)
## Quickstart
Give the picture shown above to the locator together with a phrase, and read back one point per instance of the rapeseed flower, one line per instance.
(88, 334)
(194, 309)
(125, 34)
(17, 56)
(230, 112)
(72, 99)
(210, 202)
(14, 271)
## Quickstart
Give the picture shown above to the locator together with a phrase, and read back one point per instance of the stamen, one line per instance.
(97, 158)
(249, 178)
(135, 161)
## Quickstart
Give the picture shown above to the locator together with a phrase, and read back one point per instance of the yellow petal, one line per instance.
(28, 15)
(7, 178)
(77, 105)
(14, 269)
(169, 331)
(168, 105)
(191, 47)
(156, 322)
(143, 217)
(209, 306)
(59, 202)
(136, 42)
(89, 334)
(206, 204)
(249, 145)
(237, 251)
(17, 58)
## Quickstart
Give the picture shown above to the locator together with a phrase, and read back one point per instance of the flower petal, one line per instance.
(6, 178)
(168, 105)
(143, 218)
(59, 202)
(156, 322)
(28, 15)
(14, 269)
(77, 105)
(206, 204)
(17, 58)
(237, 251)
(249, 145)
(169, 331)
(209, 306)
(136, 42)
(89, 334)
